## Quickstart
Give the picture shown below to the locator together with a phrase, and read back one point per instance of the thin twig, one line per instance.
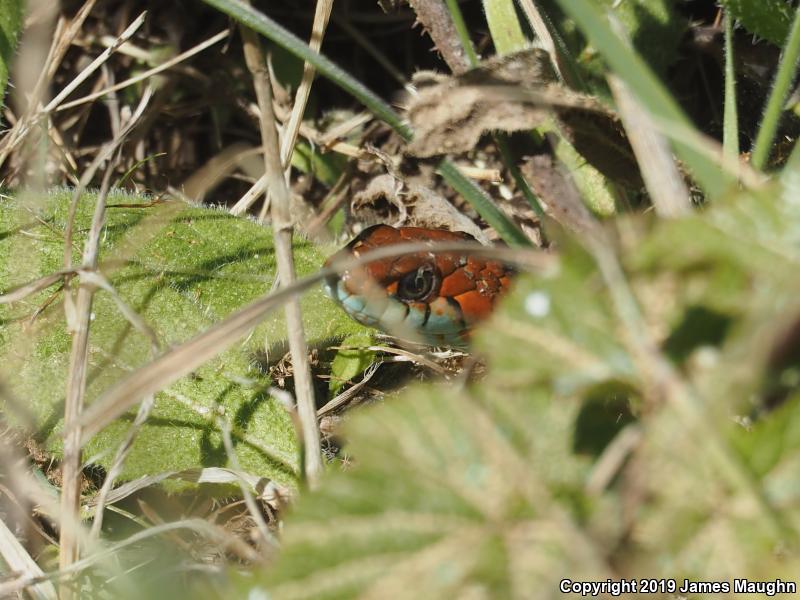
(76, 386)
(76, 389)
(282, 238)
(252, 507)
(321, 16)
(149, 73)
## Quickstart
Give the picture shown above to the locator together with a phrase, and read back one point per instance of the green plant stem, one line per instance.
(501, 140)
(262, 24)
(463, 33)
(508, 158)
(504, 26)
(486, 208)
(777, 97)
(730, 128)
(646, 86)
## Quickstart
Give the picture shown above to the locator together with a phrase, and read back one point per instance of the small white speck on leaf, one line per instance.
(258, 593)
(537, 304)
(91, 317)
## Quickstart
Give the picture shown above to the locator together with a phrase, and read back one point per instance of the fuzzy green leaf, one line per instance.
(769, 19)
(182, 269)
(351, 360)
(553, 466)
(442, 503)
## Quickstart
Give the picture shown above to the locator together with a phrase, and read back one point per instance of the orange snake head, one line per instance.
(438, 296)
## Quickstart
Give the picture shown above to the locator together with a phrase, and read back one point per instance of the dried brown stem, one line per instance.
(76, 389)
(76, 383)
(664, 181)
(282, 238)
(436, 19)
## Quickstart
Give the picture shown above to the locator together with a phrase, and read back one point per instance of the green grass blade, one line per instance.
(259, 22)
(249, 17)
(730, 127)
(487, 209)
(461, 28)
(777, 97)
(645, 85)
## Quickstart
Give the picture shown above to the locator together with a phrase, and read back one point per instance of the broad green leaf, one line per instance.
(182, 269)
(559, 332)
(350, 360)
(11, 12)
(565, 459)
(769, 19)
(654, 27)
(442, 502)
(326, 167)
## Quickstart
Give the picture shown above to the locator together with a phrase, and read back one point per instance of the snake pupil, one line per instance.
(417, 284)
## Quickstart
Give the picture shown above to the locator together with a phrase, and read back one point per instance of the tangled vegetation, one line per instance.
(630, 412)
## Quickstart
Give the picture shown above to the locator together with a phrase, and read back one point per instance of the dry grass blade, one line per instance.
(23, 125)
(76, 389)
(19, 561)
(95, 64)
(295, 124)
(346, 395)
(101, 157)
(252, 507)
(182, 360)
(321, 16)
(62, 38)
(34, 286)
(542, 32)
(282, 235)
(268, 491)
(116, 467)
(225, 539)
(149, 73)
(664, 181)
(76, 383)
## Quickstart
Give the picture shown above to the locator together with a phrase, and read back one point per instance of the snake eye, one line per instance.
(416, 285)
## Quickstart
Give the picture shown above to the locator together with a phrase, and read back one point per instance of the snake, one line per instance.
(437, 296)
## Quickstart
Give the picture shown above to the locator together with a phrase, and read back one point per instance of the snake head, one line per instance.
(435, 296)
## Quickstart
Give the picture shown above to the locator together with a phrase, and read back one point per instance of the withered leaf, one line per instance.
(558, 193)
(402, 204)
(515, 92)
